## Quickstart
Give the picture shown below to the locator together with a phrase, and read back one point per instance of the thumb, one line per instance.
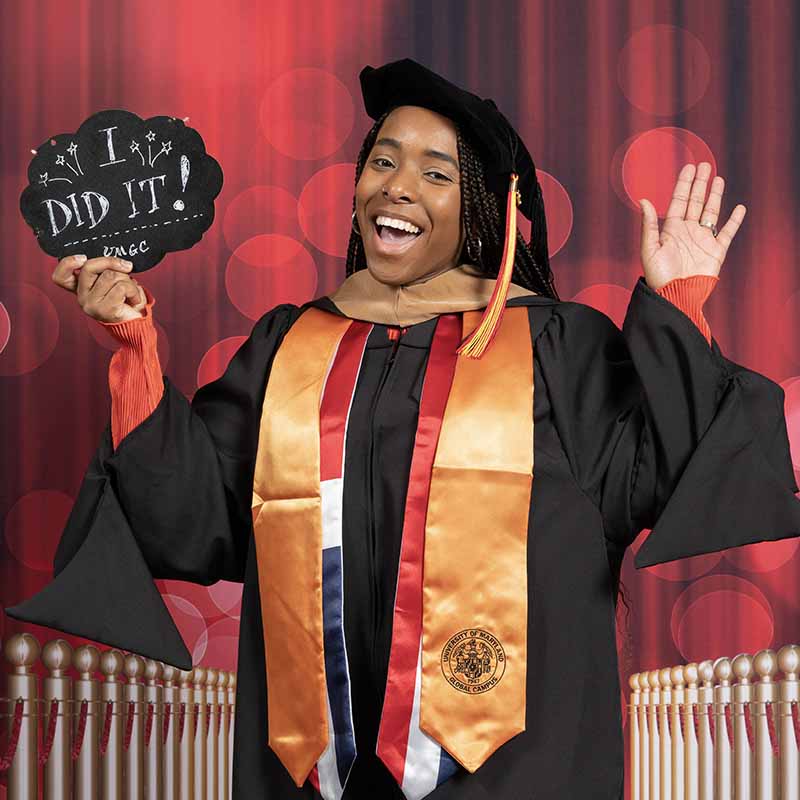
(650, 235)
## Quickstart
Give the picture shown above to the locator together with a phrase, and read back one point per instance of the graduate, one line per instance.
(427, 481)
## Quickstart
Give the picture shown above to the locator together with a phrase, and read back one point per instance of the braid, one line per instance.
(479, 210)
(356, 259)
(482, 209)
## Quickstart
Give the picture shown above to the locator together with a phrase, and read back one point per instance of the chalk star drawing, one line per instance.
(165, 148)
(44, 179)
(135, 149)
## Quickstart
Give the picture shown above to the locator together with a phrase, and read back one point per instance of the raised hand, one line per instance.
(684, 247)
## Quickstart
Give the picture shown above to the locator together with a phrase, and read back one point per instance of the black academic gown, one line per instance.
(645, 428)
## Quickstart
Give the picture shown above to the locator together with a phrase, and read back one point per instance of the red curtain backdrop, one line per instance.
(612, 99)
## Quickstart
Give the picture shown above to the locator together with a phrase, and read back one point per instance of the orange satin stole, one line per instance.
(475, 569)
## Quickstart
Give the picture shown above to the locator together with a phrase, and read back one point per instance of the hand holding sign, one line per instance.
(104, 287)
(122, 187)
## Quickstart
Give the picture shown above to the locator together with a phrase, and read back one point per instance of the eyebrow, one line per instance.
(433, 153)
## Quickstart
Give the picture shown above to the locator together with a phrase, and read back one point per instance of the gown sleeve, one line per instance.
(663, 432)
(171, 501)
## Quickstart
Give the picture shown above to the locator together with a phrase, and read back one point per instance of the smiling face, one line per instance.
(411, 175)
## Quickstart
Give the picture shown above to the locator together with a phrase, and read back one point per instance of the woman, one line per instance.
(360, 436)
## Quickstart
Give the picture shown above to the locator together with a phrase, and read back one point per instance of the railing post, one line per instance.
(744, 772)
(705, 745)
(171, 706)
(691, 784)
(57, 658)
(221, 736)
(633, 735)
(723, 744)
(153, 710)
(654, 749)
(678, 761)
(664, 733)
(232, 712)
(210, 732)
(22, 652)
(789, 665)
(186, 769)
(765, 697)
(86, 660)
(111, 692)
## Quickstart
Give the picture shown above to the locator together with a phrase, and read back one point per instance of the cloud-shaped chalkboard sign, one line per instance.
(122, 186)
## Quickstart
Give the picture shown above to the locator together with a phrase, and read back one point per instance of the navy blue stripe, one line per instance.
(336, 660)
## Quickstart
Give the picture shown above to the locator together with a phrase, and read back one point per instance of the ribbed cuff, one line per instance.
(689, 294)
(131, 331)
(134, 373)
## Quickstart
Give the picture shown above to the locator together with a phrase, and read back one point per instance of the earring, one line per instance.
(354, 224)
(472, 258)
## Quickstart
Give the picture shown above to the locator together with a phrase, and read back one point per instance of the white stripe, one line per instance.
(327, 769)
(423, 753)
(331, 496)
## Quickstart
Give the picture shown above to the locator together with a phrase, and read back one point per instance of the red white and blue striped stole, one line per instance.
(419, 764)
(456, 684)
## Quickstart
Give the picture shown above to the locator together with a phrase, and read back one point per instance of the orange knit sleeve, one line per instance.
(134, 373)
(689, 294)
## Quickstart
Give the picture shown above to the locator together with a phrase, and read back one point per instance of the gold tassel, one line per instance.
(476, 343)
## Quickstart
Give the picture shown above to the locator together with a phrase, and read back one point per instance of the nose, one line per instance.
(399, 187)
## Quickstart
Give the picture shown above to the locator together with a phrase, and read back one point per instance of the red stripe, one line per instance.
(313, 776)
(337, 397)
(407, 622)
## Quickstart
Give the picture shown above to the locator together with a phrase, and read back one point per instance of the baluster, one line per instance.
(133, 666)
(634, 735)
(86, 660)
(654, 749)
(765, 696)
(789, 665)
(232, 718)
(22, 652)
(705, 747)
(664, 734)
(111, 690)
(199, 699)
(690, 746)
(222, 739)
(209, 732)
(678, 760)
(644, 737)
(153, 749)
(57, 657)
(744, 772)
(186, 738)
(171, 706)
(723, 745)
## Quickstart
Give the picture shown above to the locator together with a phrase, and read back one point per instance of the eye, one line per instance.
(440, 174)
(381, 158)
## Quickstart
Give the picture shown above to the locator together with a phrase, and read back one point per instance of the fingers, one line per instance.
(142, 301)
(112, 305)
(725, 236)
(680, 197)
(697, 197)
(95, 267)
(711, 211)
(64, 273)
(650, 233)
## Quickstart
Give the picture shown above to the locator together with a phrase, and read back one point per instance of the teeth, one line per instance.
(397, 223)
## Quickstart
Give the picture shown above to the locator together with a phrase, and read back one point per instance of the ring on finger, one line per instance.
(710, 224)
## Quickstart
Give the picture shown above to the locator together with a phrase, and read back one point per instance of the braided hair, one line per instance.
(481, 217)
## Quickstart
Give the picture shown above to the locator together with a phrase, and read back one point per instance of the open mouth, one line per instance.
(393, 240)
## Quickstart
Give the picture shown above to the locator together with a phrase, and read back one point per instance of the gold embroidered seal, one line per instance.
(473, 661)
